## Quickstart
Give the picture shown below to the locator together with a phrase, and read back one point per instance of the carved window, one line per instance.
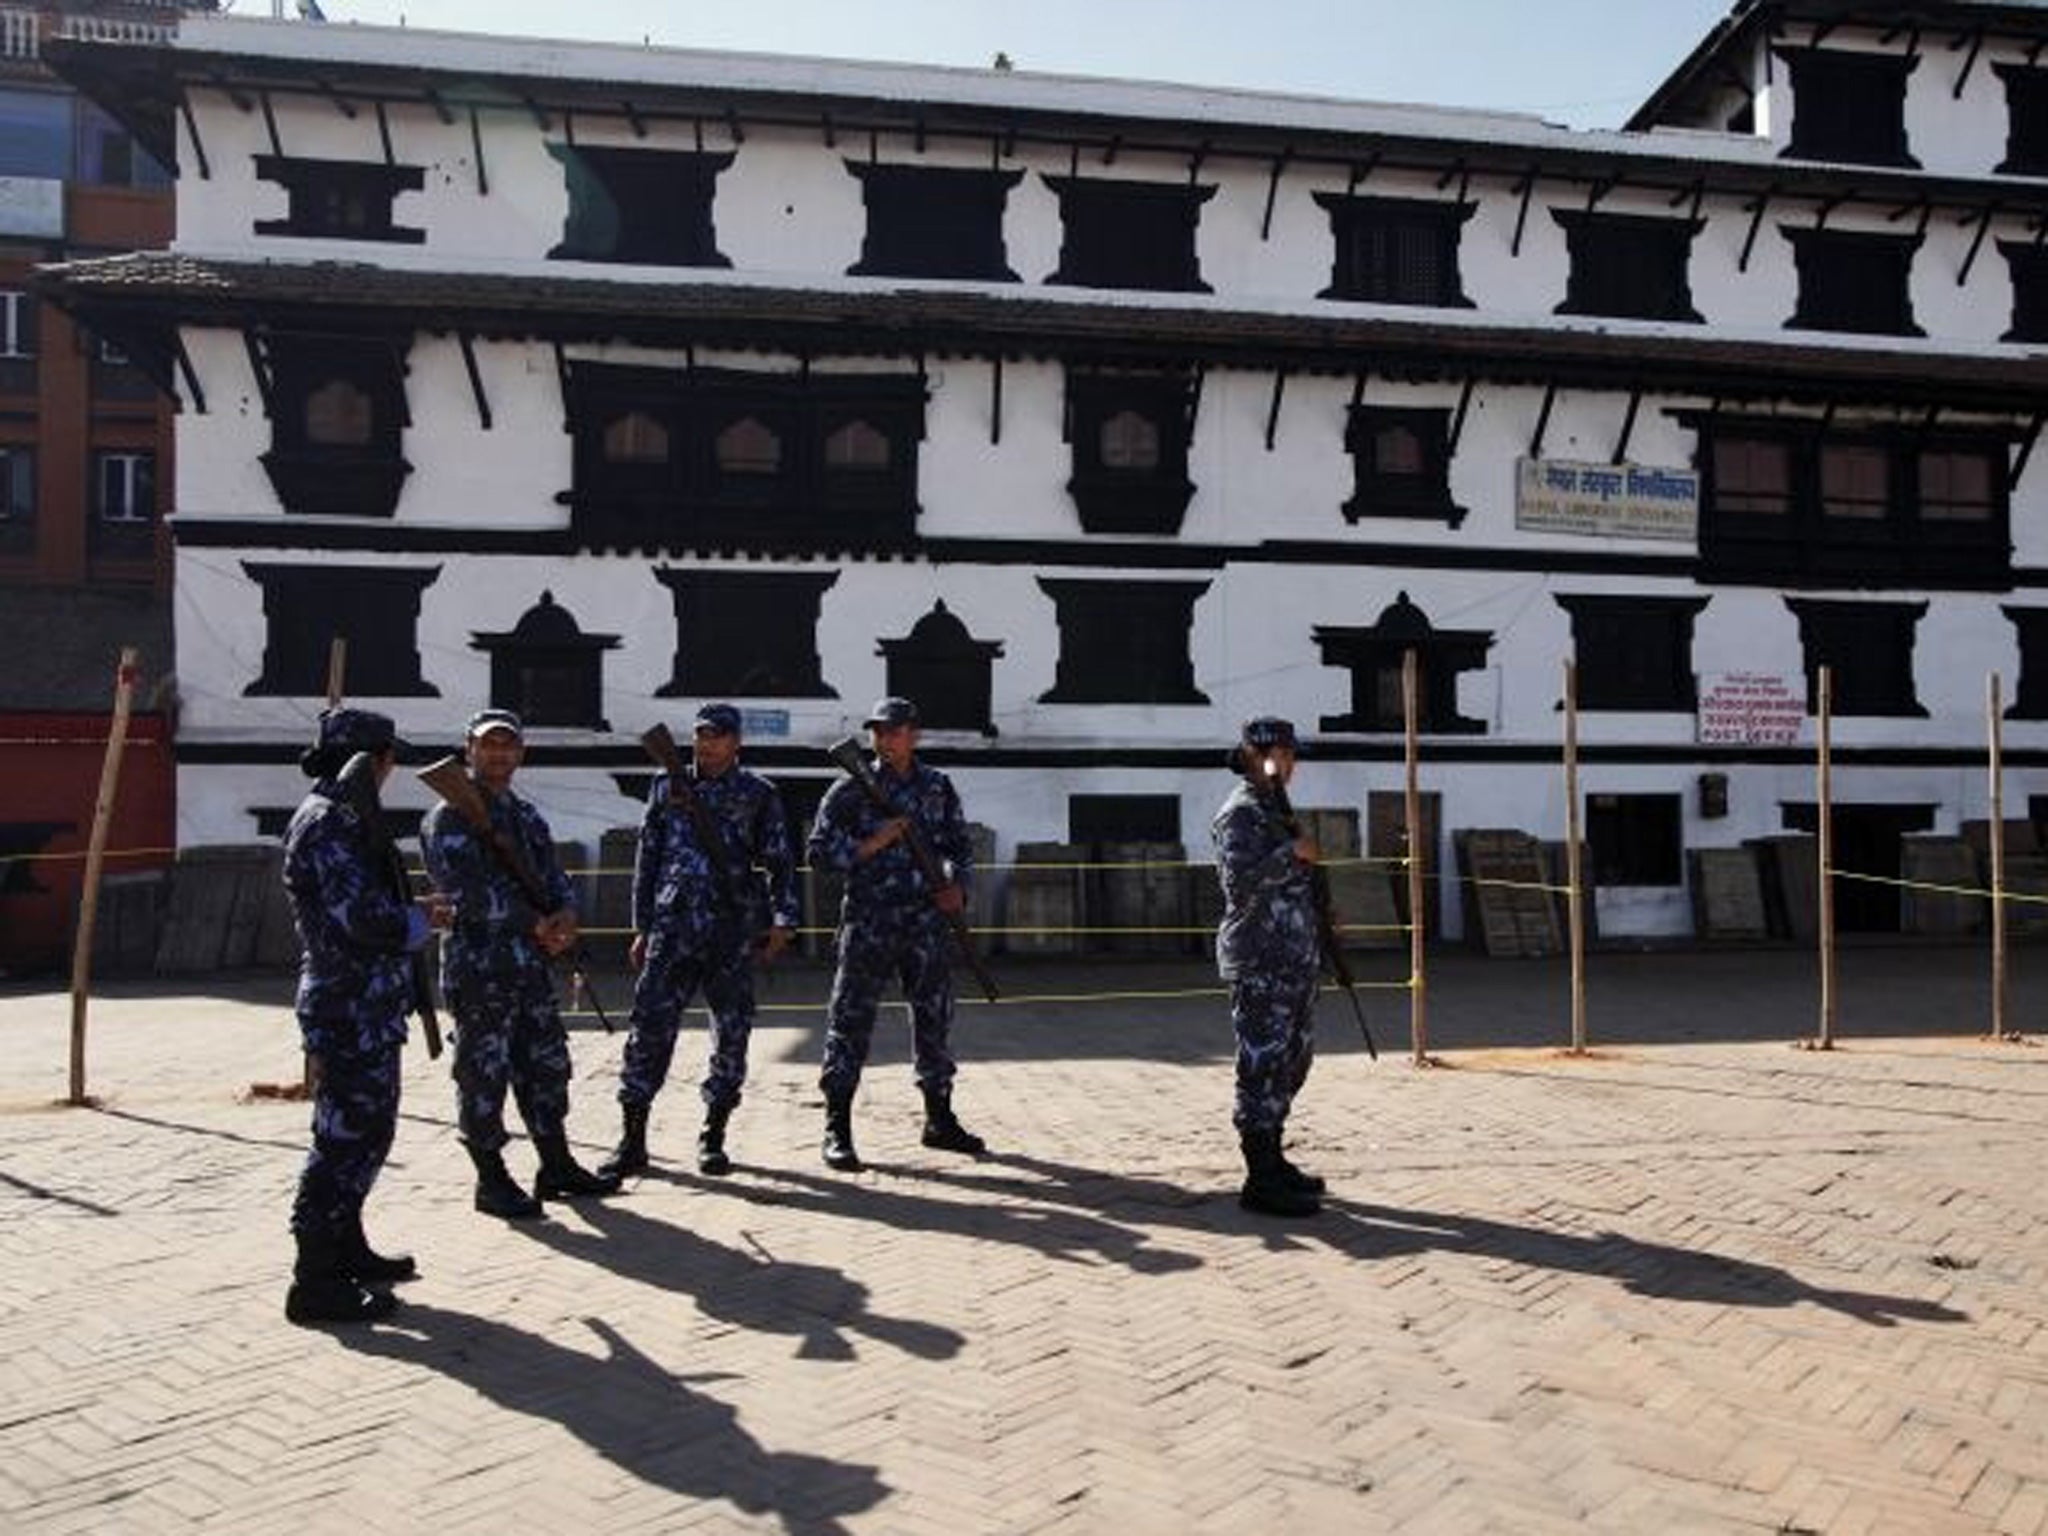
(546, 669)
(857, 446)
(743, 635)
(1849, 106)
(1628, 267)
(337, 414)
(1634, 653)
(1124, 642)
(749, 447)
(1854, 282)
(1868, 646)
(1375, 655)
(1401, 462)
(635, 438)
(1129, 434)
(1396, 250)
(647, 206)
(1129, 234)
(930, 221)
(946, 670)
(340, 199)
(376, 609)
(2026, 103)
(1635, 839)
(2030, 693)
(2028, 265)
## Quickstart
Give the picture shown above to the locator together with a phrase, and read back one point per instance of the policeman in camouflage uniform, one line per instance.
(701, 922)
(355, 987)
(891, 924)
(1267, 950)
(496, 976)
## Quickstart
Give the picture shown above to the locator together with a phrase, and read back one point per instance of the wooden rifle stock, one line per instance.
(358, 784)
(1327, 934)
(449, 779)
(852, 758)
(661, 746)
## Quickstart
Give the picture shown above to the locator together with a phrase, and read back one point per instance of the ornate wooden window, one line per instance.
(1124, 642)
(1634, 653)
(2028, 265)
(945, 669)
(1627, 266)
(2026, 105)
(1374, 658)
(1129, 435)
(1869, 646)
(1854, 282)
(747, 635)
(1849, 106)
(646, 206)
(1396, 250)
(1401, 461)
(2030, 693)
(546, 669)
(672, 460)
(340, 199)
(1129, 234)
(376, 609)
(337, 420)
(1788, 504)
(931, 221)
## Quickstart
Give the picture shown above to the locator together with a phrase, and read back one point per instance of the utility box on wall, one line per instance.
(1713, 795)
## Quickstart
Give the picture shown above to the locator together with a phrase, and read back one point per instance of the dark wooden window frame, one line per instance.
(643, 207)
(2026, 107)
(1855, 111)
(933, 221)
(2027, 264)
(1124, 642)
(2030, 691)
(689, 499)
(1636, 840)
(743, 634)
(341, 199)
(1803, 546)
(1628, 266)
(547, 669)
(1374, 654)
(1839, 270)
(1129, 234)
(945, 669)
(1869, 646)
(1123, 499)
(1634, 654)
(1378, 493)
(376, 609)
(319, 479)
(1396, 250)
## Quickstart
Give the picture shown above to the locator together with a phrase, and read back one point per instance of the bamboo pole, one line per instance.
(1826, 853)
(1418, 974)
(337, 668)
(1575, 908)
(95, 854)
(1998, 952)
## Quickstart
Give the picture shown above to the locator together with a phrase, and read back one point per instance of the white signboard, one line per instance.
(764, 722)
(31, 205)
(1751, 709)
(1613, 501)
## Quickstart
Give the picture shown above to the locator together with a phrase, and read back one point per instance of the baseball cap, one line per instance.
(1269, 731)
(892, 711)
(718, 719)
(484, 721)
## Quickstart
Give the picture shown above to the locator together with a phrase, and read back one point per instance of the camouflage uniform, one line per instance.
(1266, 949)
(887, 923)
(355, 987)
(496, 976)
(699, 935)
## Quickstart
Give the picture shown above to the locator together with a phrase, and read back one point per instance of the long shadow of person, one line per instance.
(1647, 1269)
(637, 1415)
(820, 1306)
(1018, 1214)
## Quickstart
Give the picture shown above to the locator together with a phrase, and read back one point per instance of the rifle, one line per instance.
(1326, 913)
(734, 886)
(852, 757)
(358, 784)
(449, 779)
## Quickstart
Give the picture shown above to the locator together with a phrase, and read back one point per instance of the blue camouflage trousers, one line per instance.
(672, 976)
(355, 1117)
(914, 954)
(508, 1036)
(1273, 1016)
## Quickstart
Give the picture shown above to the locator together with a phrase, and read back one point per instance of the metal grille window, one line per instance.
(125, 484)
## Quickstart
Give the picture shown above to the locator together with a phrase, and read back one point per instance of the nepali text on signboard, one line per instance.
(1751, 709)
(1614, 501)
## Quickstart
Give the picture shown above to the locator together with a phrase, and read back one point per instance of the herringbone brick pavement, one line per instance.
(1698, 1285)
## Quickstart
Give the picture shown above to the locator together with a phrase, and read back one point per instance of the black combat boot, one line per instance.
(496, 1194)
(630, 1156)
(711, 1158)
(1267, 1189)
(943, 1130)
(561, 1177)
(322, 1293)
(365, 1265)
(838, 1148)
(1301, 1178)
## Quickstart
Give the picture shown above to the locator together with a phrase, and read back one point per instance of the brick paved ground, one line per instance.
(1699, 1283)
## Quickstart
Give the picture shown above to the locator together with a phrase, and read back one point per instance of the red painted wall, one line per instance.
(49, 779)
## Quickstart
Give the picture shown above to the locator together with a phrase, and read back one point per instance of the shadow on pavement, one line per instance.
(818, 1305)
(1368, 1232)
(640, 1417)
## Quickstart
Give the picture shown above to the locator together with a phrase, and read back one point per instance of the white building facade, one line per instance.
(1098, 416)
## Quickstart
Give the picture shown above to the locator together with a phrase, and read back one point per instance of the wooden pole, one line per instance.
(337, 668)
(1418, 971)
(1575, 909)
(1998, 957)
(95, 854)
(1826, 853)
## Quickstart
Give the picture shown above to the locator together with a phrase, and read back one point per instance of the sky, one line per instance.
(1584, 63)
